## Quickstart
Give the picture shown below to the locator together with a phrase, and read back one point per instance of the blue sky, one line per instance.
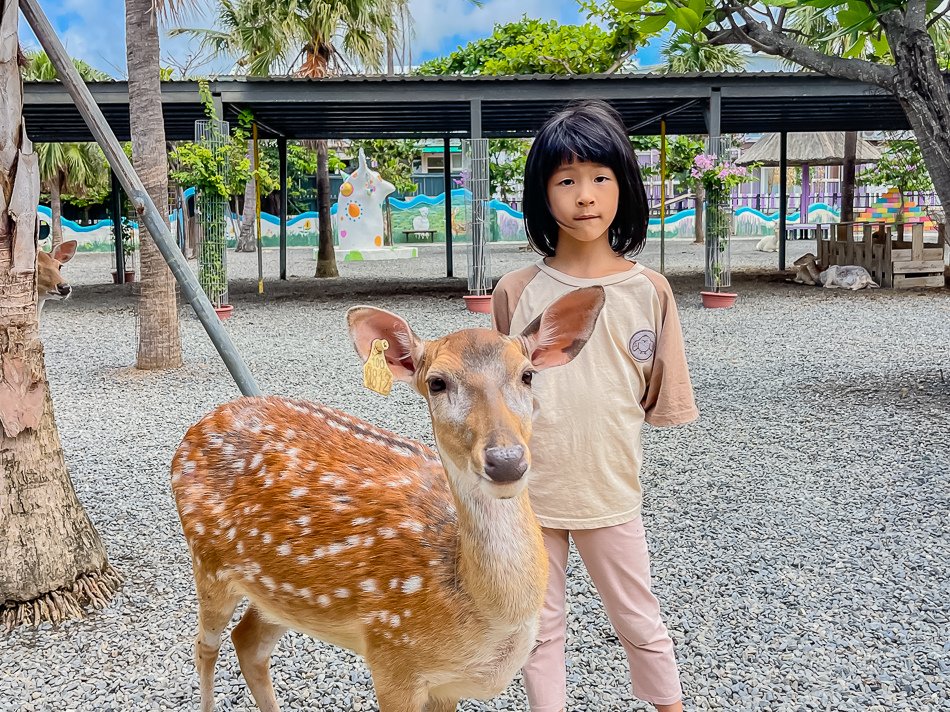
(94, 30)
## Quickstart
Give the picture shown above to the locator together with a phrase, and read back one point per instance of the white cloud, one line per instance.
(436, 21)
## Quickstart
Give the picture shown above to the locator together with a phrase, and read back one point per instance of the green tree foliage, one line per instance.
(603, 45)
(899, 45)
(393, 160)
(902, 167)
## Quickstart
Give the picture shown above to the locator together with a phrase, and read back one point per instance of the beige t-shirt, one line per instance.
(586, 449)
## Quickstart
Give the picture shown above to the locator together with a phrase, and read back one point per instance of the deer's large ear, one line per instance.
(559, 334)
(64, 251)
(405, 348)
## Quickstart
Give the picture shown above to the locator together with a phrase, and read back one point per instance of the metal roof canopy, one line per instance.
(439, 107)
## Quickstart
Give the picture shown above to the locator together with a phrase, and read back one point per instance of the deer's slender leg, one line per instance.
(215, 607)
(441, 705)
(254, 640)
(397, 694)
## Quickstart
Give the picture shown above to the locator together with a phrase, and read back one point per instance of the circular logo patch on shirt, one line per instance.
(643, 344)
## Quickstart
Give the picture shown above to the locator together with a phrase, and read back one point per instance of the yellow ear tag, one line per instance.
(376, 374)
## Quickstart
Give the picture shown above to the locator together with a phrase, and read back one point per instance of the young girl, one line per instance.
(586, 212)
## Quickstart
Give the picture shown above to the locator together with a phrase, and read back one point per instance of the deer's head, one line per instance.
(49, 281)
(477, 384)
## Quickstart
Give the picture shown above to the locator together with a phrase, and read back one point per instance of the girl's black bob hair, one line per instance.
(590, 131)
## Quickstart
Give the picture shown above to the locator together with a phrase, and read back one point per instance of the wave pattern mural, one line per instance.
(425, 212)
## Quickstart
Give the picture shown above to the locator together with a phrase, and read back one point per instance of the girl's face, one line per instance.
(583, 198)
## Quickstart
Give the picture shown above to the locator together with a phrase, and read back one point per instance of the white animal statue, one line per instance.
(421, 221)
(359, 209)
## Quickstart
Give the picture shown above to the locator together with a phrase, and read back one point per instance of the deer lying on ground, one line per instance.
(433, 571)
(49, 281)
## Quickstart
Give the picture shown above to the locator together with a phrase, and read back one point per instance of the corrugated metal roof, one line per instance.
(439, 106)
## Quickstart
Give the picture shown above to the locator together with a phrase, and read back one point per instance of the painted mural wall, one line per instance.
(423, 212)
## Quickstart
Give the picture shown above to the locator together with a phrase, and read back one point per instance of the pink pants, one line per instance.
(619, 565)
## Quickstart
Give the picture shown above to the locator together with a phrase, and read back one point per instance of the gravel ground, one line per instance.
(798, 529)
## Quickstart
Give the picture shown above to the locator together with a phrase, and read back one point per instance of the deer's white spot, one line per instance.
(188, 468)
(256, 461)
(359, 521)
(268, 582)
(323, 600)
(303, 560)
(253, 532)
(412, 525)
(232, 532)
(284, 549)
(304, 593)
(412, 584)
(199, 528)
(267, 538)
(387, 533)
(368, 541)
(298, 492)
(342, 593)
(240, 547)
(369, 585)
(227, 449)
(303, 521)
(287, 587)
(394, 583)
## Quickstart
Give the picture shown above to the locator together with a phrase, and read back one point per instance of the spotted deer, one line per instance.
(432, 569)
(49, 281)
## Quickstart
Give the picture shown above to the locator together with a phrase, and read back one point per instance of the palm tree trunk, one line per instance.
(52, 561)
(159, 337)
(326, 256)
(247, 238)
(56, 209)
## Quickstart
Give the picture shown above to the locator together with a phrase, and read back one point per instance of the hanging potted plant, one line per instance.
(718, 178)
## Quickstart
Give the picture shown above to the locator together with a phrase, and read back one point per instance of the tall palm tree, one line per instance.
(684, 53)
(77, 168)
(159, 344)
(325, 37)
(74, 167)
(52, 560)
(244, 30)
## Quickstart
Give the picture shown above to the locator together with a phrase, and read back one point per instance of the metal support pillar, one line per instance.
(140, 198)
(713, 116)
(284, 192)
(782, 196)
(447, 173)
(115, 205)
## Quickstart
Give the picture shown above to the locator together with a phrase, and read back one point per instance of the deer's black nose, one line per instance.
(64, 290)
(505, 464)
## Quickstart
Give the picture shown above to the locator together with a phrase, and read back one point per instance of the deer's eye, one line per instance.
(526, 377)
(436, 385)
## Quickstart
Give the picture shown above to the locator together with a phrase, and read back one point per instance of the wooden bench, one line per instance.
(427, 234)
(809, 230)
